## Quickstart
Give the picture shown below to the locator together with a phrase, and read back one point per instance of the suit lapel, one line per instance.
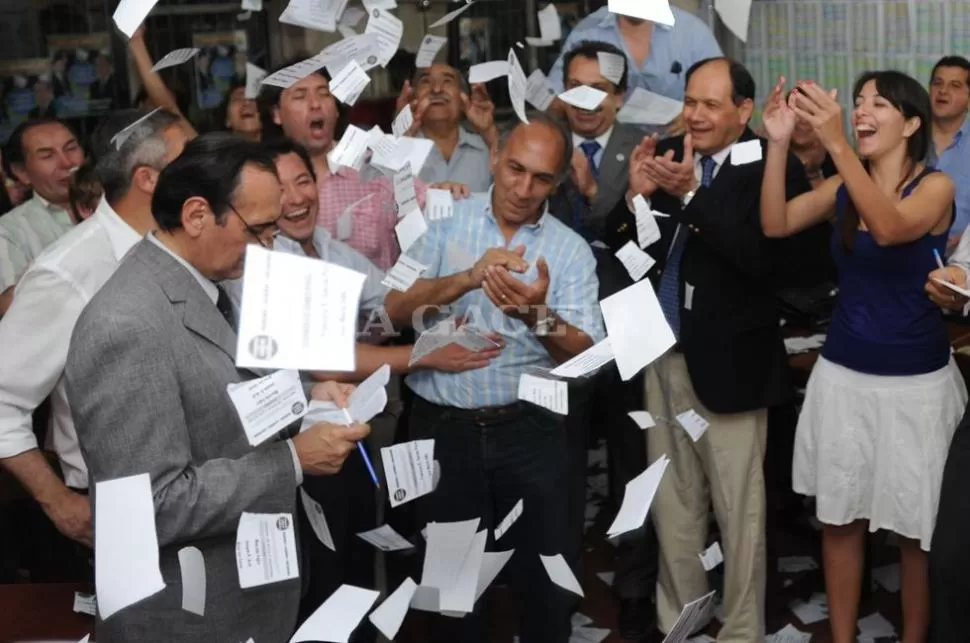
(613, 170)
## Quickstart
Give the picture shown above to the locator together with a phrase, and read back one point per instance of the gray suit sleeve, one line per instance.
(126, 401)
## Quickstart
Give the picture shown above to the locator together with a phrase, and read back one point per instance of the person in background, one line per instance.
(12, 191)
(242, 114)
(885, 396)
(439, 99)
(84, 192)
(806, 145)
(156, 92)
(950, 147)
(657, 55)
(42, 154)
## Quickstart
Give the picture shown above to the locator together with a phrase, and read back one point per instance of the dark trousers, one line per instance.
(949, 551)
(487, 465)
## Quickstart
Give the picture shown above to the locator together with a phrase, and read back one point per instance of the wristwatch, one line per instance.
(544, 326)
(685, 200)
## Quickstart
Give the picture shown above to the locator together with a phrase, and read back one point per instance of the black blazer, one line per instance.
(730, 336)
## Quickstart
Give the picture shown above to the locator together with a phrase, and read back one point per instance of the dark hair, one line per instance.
(562, 172)
(223, 112)
(14, 153)
(591, 49)
(210, 168)
(742, 83)
(911, 99)
(952, 61)
(269, 98)
(283, 146)
(85, 189)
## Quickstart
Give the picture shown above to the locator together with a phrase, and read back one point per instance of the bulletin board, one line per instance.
(834, 41)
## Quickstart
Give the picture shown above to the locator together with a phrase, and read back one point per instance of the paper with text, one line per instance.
(192, 568)
(403, 274)
(266, 549)
(550, 27)
(318, 15)
(583, 97)
(385, 539)
(637, 498)
(712, 557)
(389, 615)
(648, 232)
(348, 84)
(410, 229)
(349, 152)
(451, 15)
(643, 419)
(389, 30)
(638, 331)
(175, 57)
(549, 394)
(612, 66)
(691, 617)
(318, 519)
(297, 313)
(538, 91)
(559, 573)
(404, 193)
(694, 423)
(517, 84)
(746, 152)
(131, 13)
(429, 49)
(636, 261)
(594, 357)
(269, 404)
(484, 72)
(653, 10)
(409, 470)
(509, 520)
(125, 544)
(338, 617)
(403, 121)
(288, 76)
(362, 48)
(644, 107)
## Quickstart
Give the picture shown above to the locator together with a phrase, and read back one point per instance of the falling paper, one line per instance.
(338, 617)
(550, 27)
(583, 97)
(440, 204)
(694, 423)
(492, 564)
(606, 577)
(288, 76)
(448, 17)
(637, 498)
(348, 84)
(311, 14)
(265, 549)
(612, 66)
(509, 520)
(653, 10)
(409, 470)
(410, 229)
(460, 598)
(370, 396)
(192, 568)
(402, 122)
(254, 78)
(691, 617)
(404, 193)
(403, 274)
(385, 539)
(362, 49)
(560, 573)
(735, 15)
(389, 616)
(746, 152)
(268, 404)
(484, 72)
(813, 611)
(712, 557)
(644, 107)
(636, 326)
(353, 15)
(549, 394)
(586, 362)
(643, 419)
(130, 14)
(648, 232)
(125, 543)
(318, 520)
(517, 85)
(175, 57)
(389, 30)
(85, 604)
(122, 136)
(538, 92)
(429, 49)
(350, 151)
(414, 152)
(636, 261)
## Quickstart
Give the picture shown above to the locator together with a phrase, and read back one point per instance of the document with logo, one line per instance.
(269, 404)
(265, 549)
(409, 470)
(297, 313)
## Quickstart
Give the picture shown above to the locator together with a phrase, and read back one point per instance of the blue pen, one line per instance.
(939, 259)
(363, 453)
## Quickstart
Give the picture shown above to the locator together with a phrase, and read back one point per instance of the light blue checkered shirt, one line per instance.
(451, 245)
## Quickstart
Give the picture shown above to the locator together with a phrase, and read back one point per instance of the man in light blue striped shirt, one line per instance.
(506, 265)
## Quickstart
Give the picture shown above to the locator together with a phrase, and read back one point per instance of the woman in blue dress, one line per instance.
(885, 397)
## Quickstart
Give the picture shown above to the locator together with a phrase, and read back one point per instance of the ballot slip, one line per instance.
(349, 152)
(338, 617)
(349, 83)
(439, 204)
(409, 470)
(648, 232)
(637, 498)
(550, 26)
(192, 570)
(552, 395)
(353, 15)
(637, 262)
(385, 539)
(318, 15)
(389, 615)
(517, 84)
(539, 91)
(691, 617)
(85, 604)
(318, 519)
(130, 14)
(414, 152)
(266, 549)
(612, 66)
(370, 396)
(403, 274)
(428, 51)
(410, 229)
(288, 76)
(269, 404)
(459, 599)
(297, 313)
(637, 329)
(644, 107)
(643, 419)
(403, 121)
(694, 423)
(559, 573)
(591, 359)
(254, 78)
(583, 97)
(484, 72)
(388, 28)
(653, 10)
(712, 557)
(176, 57)
(736, 14)
(404, 193)
(746, 152)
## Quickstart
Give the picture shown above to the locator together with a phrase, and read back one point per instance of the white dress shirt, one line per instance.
(24, 233)
(36, 333)
(603, 139)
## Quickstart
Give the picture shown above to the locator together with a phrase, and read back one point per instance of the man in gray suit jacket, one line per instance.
(147, 371)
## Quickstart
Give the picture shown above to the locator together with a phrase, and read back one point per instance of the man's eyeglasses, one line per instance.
(259, 230)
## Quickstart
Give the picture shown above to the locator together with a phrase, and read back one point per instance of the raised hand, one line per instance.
(582, 175)
(673, 177)
(479, 108)
(778, 116)
(640, 181)
(822, 111)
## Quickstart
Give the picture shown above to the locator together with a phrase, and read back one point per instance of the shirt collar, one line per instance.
(471, 139)
(602, 139)
(719, 157)
(121, 235)
(609, 20)
(964, 129)
(210, 288)
(321, 241)
(540, 222)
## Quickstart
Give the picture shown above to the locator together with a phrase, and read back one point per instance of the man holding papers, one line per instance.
(147, 377)
(534, 283)
(714, 277)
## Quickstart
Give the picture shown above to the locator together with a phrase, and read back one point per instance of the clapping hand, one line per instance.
(673, 177)
(821, 110)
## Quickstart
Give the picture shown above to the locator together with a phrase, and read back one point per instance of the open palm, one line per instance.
(778, 117)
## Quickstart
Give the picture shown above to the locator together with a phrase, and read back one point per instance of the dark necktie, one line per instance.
(669, 291)
(224, 304)
(591, 149)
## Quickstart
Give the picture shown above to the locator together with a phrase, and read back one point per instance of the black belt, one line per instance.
(483, 416)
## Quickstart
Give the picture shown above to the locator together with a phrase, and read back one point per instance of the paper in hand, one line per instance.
(130, 14)
(175, 57)
(269, 404)
(549, 394)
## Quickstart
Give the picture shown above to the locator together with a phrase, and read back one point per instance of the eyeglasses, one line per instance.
(257, 231)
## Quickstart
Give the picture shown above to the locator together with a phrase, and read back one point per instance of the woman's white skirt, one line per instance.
(873, 447)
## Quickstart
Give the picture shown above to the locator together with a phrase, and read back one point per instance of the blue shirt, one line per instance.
(573, 290)
(955, 161)
(470, 163)
(672, 50)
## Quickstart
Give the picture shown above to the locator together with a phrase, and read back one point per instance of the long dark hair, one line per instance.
(910, 98)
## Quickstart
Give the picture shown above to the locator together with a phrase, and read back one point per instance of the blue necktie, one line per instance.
(591, 149)
(669, 291)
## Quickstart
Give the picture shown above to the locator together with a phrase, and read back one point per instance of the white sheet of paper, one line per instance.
(439, 204)
(637, 328)
(549, 394)
(560, 573)
(338, 617)
(690, 618)
(254, 78)
(588, 361)
(712, 557)
(192, 566)
(643, 419)
(484, 72)
(266, 549)
(644, 107)
(352, 15)
(296, 72)
(955, 288)
(876, 626)
(404, 193)
(348, 84)
(284, 297)
(460, 598)
(362, 48)
(492, 564)
(606, 577)
(451, 15)
(322, 411)
(85, 604)
(636, 261)
(538, 91)
(310, 14)
(583, 97)
(389, 30)
(175, 57)
(746, 152)
(349, 152)
(389, 615)
(448, 547)
(694, 423)
(735, 14)
(550, 28)
(429, 49)
(122, 136)
(346, 32)
(517, 84)
(370, 396)
(813, 610)
(410, 229)
(788, 634)
(379, 4)
(385, 539)
(414, 151)
(125, 543)
(653, 10)
(252, 5)
(648, 232)
(403, 274)
(509, 520)
(268, 404)
(318, 520)
(538, 42)
(131, 13)
(612, 66)
(403, 121)
(637, 498)
(409, 470)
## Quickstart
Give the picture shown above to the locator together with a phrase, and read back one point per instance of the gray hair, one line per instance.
(145, 146)
(553, 123)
